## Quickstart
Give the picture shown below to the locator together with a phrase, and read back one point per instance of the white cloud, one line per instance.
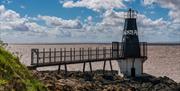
(59, 22)
(96, 5)
(173, 5)
(112, 18)
(9, 15)
(34, 27)
(152, 30)
(2, 8)
(149, 30)
(89, 18)
(10, 20)
(147, 22)
(175, 15)
(148, 2)
(129, 0)
(11, 23)
(57, 29)
(157, 30)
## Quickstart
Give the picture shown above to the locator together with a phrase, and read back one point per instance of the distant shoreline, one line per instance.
(83, 43)
(54, 43)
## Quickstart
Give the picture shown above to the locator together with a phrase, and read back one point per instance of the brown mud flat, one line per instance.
(96, 81)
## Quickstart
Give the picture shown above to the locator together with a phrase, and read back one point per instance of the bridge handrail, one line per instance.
(82, 54)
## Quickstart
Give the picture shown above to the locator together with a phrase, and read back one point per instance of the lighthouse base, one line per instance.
(130, 67)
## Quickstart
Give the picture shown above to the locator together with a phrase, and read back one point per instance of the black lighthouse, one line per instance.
(130, 40)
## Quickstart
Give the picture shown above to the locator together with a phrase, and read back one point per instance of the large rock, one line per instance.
(77, 81)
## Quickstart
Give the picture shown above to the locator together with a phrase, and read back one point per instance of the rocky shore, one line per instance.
(78, 81)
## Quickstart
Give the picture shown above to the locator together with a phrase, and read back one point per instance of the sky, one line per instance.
(67, 21)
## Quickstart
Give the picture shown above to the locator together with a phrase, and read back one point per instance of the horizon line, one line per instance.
(68, 43)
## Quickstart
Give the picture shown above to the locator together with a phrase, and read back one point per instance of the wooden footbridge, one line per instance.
(64, 56)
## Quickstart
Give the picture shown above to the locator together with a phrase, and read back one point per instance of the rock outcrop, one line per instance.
(77, 81)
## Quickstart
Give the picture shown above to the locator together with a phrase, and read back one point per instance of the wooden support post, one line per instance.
(111, 66)
(90, 55)
(84, 66)
(54, 54)
(104, 67)
(83, 59)
(43, 55)
(65, 67)
(59, 68)
(104, 57)
(50, 55)
(90, 66)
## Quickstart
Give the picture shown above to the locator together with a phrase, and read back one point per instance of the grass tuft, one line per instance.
(16, 77)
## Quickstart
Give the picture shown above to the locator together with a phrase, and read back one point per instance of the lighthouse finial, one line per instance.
(131, 13)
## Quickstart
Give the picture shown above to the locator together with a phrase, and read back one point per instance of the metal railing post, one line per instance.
(32, 56)
(43, 55)
(54, 54)
(37, 56)
(50, 55)
(80, 54)
(61, 54)
(71, 54)
(64, 54)
(74, 54)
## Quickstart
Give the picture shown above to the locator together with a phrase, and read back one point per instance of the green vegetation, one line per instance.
(16, 77)
(1, 43)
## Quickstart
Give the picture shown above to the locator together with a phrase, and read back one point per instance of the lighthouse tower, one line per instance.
(132, 64)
